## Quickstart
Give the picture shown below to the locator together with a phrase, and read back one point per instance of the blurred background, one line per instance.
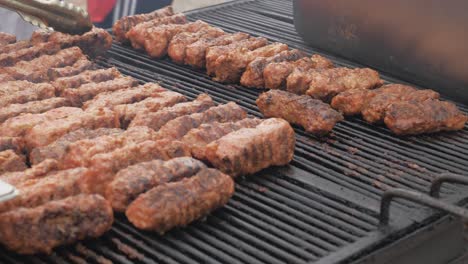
(103, 12)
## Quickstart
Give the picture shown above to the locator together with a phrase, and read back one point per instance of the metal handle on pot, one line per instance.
(446, 177)
(417, 197)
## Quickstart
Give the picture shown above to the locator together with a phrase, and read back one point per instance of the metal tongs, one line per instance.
(7, 191)
(58, 15)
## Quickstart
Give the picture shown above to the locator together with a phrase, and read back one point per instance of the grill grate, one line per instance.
(325, 204)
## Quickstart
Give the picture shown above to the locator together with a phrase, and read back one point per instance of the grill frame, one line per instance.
(291, 194)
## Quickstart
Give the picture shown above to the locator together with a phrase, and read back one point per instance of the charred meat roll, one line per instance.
(124, 96)
(138, 34)
(36, 70)
(158, 38)
(324, 84)
(19, 92)
(40, 229)
(104, 166)
(197, 138)
(195, 53)
(229, 67)
(220, 52)
(275, 74)
(53, 186)
(6, 39)
(313, 115)
(81, 152)
(19, 125)
(177, 204)
(123, 25)
(50, 130)
(11, 161)
(177, 128)
(416, 117)
(253, 75)
(34, 107)
(158, 119)
(60, 147)
(17, 178)
(91, 76)
(126, 112)
(88, 91)
(27, 54)
(374, 109)
(130, 182)
(78, 67)
(178, 45)
(250, 150)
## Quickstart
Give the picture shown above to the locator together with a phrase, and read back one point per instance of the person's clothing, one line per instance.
(126, 8)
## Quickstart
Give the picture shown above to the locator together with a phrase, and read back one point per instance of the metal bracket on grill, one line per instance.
(416, 197)
(446, 177)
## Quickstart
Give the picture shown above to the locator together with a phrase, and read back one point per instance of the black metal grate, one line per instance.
(323, 207)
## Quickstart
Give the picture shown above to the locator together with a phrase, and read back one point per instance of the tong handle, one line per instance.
(59, 15)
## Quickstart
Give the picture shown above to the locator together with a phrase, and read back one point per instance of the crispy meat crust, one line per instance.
(124, 96)
(37, 171)
(36, 70)
(89, 90)
(196, 52)
(19, 92)
(157, 38)
(315, 116)
(40, 229)
(197, 138)
(104, 166)
(81, 152)
(19, 125)
(417, 117)
(78, 67)
(50, 130)
(11, 161)
(275, 74)
(129, 183)
(177, 128)
(13, 143)
(57, 149)
(325, 84)
(54, 186)
(228, 68)
(93, 43)
(158, 119)
(178, 45)
(253, 75)
(91, 76)
(374, 109)
(126, 112)
(27, 54)
(6, 39)
(219, 52)
(180, 203)
(250, 150)
(34, 107)
(138, 34)
(125, 24)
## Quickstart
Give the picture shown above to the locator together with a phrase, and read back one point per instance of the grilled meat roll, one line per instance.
(180, 203)
(40, 229)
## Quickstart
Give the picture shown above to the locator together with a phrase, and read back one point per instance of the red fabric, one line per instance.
(99, 9)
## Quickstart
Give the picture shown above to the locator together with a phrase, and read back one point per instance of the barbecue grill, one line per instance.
(325, 206)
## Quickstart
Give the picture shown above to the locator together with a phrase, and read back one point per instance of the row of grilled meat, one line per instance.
(80, 143)
(311, 82)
